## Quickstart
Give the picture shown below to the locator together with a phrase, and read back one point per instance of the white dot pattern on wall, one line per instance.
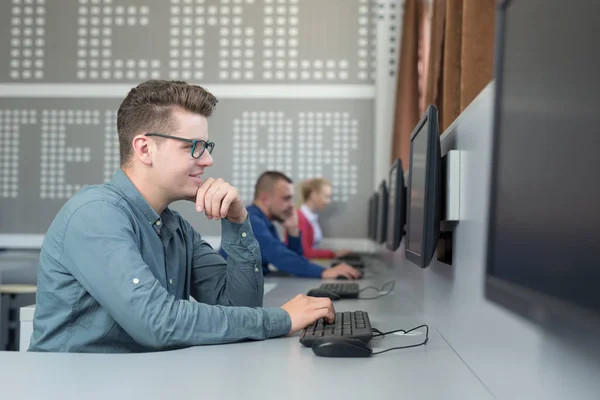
(97, 21)
(329, 139)
(56, 154)
(27, 40)
(367, 30)
(281, 60)
(394, 17)
(111, 145)
(261, 140)
(189, 19)
(10, 127)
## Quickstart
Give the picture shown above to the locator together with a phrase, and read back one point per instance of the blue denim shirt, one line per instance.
(115, 276)
(287, 258)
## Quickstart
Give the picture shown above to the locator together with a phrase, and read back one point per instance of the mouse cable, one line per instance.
(391, 285)
(405, 332)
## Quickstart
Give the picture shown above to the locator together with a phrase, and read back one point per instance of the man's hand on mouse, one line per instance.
(305, 310)
(218, 199)
(342, 253)
(341, 269)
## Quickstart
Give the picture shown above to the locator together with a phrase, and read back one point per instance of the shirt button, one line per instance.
(158, 222)
(243, 234)
(136, 281)
(256, 269)
(170, 281)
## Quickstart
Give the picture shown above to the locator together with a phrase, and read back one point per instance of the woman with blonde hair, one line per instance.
(316, 195)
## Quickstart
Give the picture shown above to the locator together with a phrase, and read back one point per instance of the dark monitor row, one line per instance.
(544, 225)
(543, 235)
(414, 209)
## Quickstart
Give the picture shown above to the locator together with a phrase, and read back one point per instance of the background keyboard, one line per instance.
(345, 290)
(354, 324)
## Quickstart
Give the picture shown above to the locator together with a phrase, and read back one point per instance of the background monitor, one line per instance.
(373, 219)
(543, 255)
(424, 190)
(396, 206)
(382, 212)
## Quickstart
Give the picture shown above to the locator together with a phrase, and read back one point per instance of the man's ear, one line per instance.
(142, 147)
(264, 197)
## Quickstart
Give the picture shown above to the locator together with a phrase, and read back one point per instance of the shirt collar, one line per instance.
(254, 210)
(309, 214)
(166, 219)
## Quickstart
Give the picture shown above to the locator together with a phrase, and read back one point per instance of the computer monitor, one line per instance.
(543, 234)
(423, 196)
(396, 206)
(382, 212)
(374, 214)
(370, 218)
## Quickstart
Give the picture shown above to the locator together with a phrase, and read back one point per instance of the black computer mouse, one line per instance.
(339, 346)
(319, 292)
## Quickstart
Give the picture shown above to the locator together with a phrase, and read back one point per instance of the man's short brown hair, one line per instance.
(267, 180)
(148, 108)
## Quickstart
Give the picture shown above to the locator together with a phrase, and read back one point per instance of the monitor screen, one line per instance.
(382, 211)
(396, 206)
(544, 220)
(418, 158)
(374, 216)
(424, 190)
(371, 218)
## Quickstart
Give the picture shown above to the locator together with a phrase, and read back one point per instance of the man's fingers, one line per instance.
(326, 313)
(351, 271)
(325, 307)
(355, 273)
(348, 275)
(229, 198)
(212, 201)
(217, 199)
(201, 194)
(208, 200)
(321, 302)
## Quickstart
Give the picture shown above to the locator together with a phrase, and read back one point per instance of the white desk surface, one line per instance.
(270, 369)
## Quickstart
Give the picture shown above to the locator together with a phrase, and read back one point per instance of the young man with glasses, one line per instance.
(117, 266)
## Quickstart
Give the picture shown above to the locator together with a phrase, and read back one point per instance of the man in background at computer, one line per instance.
(118, 267)
(274, 201)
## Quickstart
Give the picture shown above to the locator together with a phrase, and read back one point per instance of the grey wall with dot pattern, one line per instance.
(211, 40)
(51, 146)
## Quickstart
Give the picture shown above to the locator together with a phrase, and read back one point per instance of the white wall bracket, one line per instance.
(451, 186)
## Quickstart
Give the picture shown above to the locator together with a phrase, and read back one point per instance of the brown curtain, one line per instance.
(407, 93)
(451, 76)
(477, 53)
(436, 54)
(446, 59)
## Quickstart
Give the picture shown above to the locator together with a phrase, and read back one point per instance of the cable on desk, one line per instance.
(405, 332)
(391, 284)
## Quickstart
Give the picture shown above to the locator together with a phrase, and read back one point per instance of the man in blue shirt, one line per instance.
(273, 201)
(118, 267)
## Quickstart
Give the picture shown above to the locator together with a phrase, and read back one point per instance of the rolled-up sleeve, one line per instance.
(235, 282)
(103, 255)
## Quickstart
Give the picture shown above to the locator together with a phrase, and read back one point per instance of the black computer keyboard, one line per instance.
(353, 262)
(353, 324)
(344, 290)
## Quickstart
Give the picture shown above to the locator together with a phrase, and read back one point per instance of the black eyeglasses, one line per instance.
(197, 151)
